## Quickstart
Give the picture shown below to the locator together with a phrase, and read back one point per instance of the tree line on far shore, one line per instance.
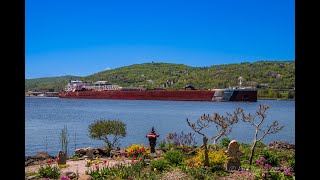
(265, 75)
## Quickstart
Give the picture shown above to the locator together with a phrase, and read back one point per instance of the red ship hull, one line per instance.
(168, 95)
(175, 95)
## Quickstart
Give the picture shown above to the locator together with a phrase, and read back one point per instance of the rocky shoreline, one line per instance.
(100, 152)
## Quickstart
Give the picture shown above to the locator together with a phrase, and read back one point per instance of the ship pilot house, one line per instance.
(105, 86)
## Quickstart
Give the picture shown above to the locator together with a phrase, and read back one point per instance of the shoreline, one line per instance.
(278, 99)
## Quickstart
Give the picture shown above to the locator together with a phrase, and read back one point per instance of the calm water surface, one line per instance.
(46, 117)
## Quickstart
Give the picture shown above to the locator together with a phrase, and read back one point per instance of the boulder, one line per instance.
(94, 152)
(85, 177)
(44, 155)
(80, 152)
(70, 175)
(40, 156)
(281, 145)
(32, 177)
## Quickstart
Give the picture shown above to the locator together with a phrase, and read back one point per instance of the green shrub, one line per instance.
(162, 144)
(159, 165)
(173, 157)
(270, 157)
(110, 131)
(48, 171)
(225, 142)
(136, 150)
(292, 163)
(245, 145)
(197, 172)
(260, 144)
(217, 159)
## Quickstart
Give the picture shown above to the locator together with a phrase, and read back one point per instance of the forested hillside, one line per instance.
(266, 74)
(54, 83)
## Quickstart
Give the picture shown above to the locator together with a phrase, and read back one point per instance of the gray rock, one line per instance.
(281, 145)
(71, 175)
(80, 152)
(44, 155)
(85, 177)
(32, 177)
(89, 153)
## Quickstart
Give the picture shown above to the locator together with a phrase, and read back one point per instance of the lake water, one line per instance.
(46, 117)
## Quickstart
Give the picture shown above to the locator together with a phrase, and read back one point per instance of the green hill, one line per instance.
(269, 74)
(46, 83)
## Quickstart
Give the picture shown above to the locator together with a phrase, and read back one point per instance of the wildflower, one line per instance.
(155, 169)
(267, 166)
(64, 178)
(140, 159)
(287, 173)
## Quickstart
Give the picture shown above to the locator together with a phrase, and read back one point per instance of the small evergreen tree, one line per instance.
(110, 131)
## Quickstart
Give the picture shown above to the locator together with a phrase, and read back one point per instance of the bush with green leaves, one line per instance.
(48, 171)
(159, 165)
(118, 171)
(271, 158)
(198, 172)
(174, 157)
(110, 131)
(162, 144)
(260, 144)
(217, 159)
(292, 163)
(225, 142)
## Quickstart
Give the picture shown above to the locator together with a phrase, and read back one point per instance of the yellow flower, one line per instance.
(97, 158)
(155, 169)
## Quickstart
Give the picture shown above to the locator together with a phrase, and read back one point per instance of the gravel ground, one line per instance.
(76, 166)
(176, 174)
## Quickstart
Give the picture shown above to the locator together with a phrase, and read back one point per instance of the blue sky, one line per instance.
(81, 37)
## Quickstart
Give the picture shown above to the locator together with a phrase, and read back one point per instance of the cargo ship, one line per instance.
(106, 90)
